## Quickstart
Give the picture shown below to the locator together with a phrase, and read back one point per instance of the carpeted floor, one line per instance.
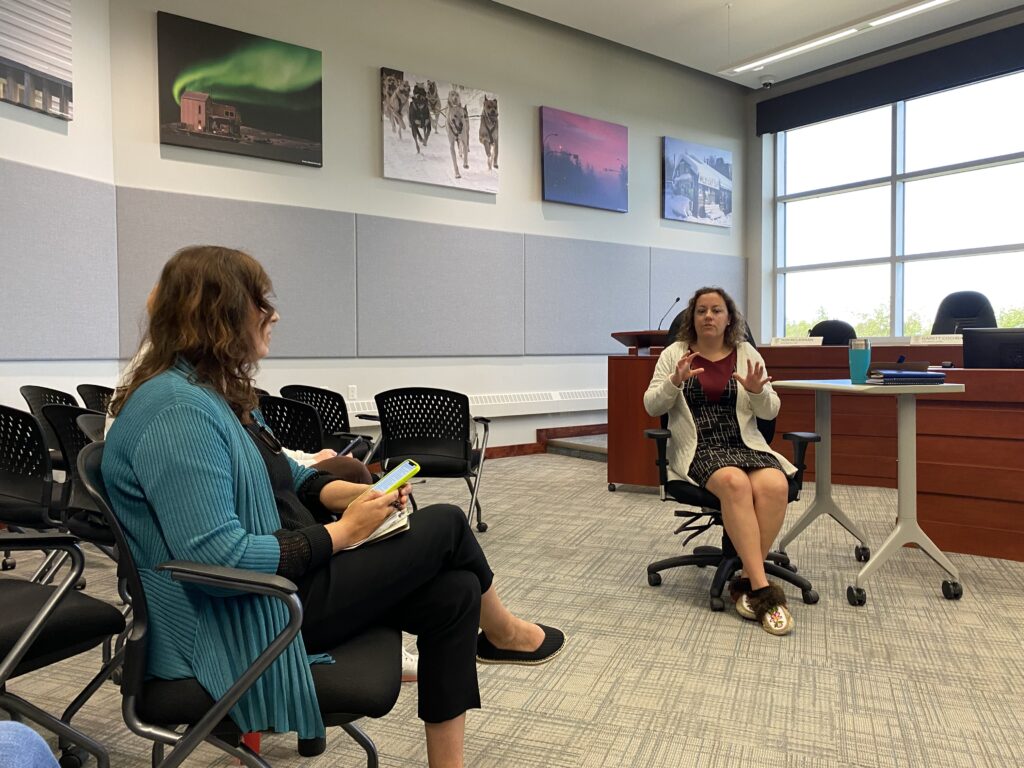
(651, 677)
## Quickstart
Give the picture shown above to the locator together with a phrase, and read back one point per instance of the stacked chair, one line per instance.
(95, 396)
(333, 412)
(37, 397)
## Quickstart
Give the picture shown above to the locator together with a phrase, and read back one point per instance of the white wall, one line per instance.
(526, 61)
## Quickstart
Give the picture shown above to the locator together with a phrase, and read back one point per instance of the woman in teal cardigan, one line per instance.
(194, 474)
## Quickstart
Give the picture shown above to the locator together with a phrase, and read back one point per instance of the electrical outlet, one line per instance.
(352, 392)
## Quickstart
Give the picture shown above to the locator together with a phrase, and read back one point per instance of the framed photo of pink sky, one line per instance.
(584, 161)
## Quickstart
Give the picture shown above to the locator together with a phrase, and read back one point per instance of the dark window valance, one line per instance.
(969, 61)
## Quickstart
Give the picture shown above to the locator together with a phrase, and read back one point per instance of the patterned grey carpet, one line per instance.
(651, 677)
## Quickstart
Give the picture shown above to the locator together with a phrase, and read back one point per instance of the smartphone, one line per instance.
(397, 477)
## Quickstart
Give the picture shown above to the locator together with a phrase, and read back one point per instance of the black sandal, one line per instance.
(551, 646)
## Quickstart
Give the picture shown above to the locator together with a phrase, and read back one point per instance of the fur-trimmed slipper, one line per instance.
(739, 591)
(551, 646)
(769, 607)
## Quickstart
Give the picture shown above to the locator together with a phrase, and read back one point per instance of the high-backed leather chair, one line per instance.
(964, 309)
(834, 332)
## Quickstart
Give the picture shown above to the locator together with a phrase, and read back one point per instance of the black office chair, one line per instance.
(432, 427)
(724, 558)
(43, 625)
(333, 412)
(364, 681)
(834, 333)
(296, 425)
(963, 309)
(95, 396)
(37, 397)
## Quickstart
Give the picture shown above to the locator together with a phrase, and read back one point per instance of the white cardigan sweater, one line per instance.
(663, 397)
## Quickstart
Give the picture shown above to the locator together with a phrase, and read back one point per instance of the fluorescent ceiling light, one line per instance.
(797, 49)
(907, 12)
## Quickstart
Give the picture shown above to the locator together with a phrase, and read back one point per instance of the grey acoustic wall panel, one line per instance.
(680, 273)
(308, 253)
(579, 291)
(58, 266)
(434, 290)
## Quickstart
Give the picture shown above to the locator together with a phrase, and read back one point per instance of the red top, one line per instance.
(716, 376)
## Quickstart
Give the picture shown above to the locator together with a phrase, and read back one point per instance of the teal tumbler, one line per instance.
(860, 360)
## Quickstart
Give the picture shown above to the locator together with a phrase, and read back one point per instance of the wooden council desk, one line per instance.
(970, 446)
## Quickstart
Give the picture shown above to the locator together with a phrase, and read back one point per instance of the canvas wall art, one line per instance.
(229, 91)
(584, 161)
(697, 183)
(438, 132)
(35, 56)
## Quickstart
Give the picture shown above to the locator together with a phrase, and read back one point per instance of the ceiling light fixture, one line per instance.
(861, 26)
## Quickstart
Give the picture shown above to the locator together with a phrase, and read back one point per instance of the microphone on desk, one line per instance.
(667, 311)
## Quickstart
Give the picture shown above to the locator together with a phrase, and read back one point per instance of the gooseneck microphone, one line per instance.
(671, 306)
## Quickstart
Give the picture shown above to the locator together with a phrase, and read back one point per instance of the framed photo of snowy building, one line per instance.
(697, 183)
(437, 132)
(35, 56)
(229, 91)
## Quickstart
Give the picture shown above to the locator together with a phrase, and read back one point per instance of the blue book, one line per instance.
(886, 376)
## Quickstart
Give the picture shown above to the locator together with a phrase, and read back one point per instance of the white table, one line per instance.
(907, 530)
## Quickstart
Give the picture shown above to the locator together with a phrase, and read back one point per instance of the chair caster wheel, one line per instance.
(654, 579)
(74, 757)
(862, 553)
(481, 527)
(790, 567)
(810, 596)
(717, 604)
(611, 486)
(951, 590)
(8, 564)
(80, 584)
(856, 595)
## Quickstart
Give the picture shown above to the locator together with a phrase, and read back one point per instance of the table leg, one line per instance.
(907, 530)
(823, 503)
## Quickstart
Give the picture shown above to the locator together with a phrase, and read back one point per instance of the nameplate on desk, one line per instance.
(797, 341)
(937, 338)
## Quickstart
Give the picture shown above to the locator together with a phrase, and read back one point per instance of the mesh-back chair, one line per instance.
(37, 397)
(724, 558)
(28, 499)
(433, 428)
(92, 424)
(260, 392)
(43, 625)
(834, 332)
(95, 396)
(364, 681)
(79, 512)
(963, 309)
(295, 424)
(333, 412)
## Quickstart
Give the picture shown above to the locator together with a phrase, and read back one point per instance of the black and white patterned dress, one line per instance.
(719, 443)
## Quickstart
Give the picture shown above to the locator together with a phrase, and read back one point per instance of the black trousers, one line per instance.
(426, 581)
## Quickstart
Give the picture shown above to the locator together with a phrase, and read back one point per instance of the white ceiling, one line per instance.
(714, 35)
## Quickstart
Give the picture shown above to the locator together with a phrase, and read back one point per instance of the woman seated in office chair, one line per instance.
(713, 386)
(193, 474)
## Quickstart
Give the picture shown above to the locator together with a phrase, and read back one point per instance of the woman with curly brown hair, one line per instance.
(713, 385)
(194, 474)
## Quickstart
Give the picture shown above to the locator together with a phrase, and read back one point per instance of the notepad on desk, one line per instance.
(891, 376)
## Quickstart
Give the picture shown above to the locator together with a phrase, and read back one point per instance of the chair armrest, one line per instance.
(368, 416)
(238, 579)
(657, 434)
(661, 438)
(481, 420)
(800, 442)
(36, 540)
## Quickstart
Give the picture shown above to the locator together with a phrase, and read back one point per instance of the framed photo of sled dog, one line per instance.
(584, 161)
(697, 183)
(437, 132)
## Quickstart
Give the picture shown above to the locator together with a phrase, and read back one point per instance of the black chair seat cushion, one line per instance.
(80, 622)
(23, 513)
(436, 465)
(87, 526)
(694, 495)
(364, 680)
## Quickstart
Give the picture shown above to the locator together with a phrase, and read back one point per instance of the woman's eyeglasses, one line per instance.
(265, 436)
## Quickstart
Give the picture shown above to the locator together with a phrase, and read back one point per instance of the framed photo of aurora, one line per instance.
(228, 91)
(584, 161)
(697, 183)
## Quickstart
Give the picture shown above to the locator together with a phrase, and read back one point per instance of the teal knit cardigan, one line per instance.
(187, 483)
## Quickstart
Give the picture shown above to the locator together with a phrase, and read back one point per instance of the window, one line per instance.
(881, 214)
(3, 87)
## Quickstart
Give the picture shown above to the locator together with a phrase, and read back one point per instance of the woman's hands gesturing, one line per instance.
(755, 379)
(683, 370)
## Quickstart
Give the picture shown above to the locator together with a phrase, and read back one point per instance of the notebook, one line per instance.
(889, 376)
